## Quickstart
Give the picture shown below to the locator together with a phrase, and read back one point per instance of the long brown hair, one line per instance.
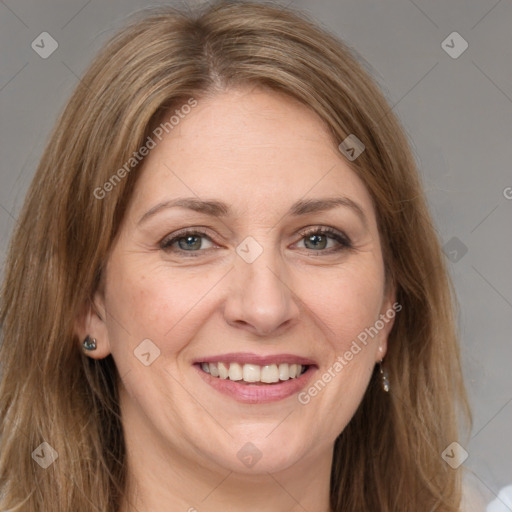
(389, 456)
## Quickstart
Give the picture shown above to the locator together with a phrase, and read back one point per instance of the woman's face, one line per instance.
(260, 293)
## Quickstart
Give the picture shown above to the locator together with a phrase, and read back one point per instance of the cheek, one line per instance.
(347, 302)
(154, 303)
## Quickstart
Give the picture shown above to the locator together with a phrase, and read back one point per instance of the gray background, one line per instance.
(456, 111)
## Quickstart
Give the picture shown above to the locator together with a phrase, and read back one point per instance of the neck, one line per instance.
(161, 479)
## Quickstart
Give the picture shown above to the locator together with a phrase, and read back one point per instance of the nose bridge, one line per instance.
(261, 298)
(263, 274)
(258, 266)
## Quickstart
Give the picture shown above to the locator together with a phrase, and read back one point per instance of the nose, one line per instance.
(260, 299)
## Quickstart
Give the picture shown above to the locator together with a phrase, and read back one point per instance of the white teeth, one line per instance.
(235, 372)
(284, 372)
(270, 374)
(223, 370)
(251, 373)
(214, 371)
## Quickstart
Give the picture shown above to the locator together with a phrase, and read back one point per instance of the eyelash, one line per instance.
(341, 238)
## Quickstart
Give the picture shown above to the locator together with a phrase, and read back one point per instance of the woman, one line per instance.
(225, 291)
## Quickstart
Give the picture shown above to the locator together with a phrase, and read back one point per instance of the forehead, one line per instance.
(250, 147)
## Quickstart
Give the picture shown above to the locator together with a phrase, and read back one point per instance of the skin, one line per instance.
(259, 152)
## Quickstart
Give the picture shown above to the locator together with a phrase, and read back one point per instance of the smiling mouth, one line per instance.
(253, 373)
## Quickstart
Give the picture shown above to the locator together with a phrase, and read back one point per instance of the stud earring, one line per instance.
(385, 377)
(89, 344)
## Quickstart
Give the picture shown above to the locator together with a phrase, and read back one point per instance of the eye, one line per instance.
(189, 240)
(317, 239)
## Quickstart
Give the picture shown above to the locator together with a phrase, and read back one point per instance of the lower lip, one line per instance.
(257, 393)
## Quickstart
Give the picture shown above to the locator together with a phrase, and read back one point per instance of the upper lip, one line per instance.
(261, 360)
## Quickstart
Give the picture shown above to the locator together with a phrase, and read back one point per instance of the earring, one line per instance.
(385, 377)
(89, 343)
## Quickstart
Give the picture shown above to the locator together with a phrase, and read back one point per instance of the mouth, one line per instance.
(254, 373)
(249, 378)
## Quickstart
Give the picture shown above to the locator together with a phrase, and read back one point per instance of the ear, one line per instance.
(91, 322)
(390, 307)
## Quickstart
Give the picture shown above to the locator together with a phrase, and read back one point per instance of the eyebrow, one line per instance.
(220, 209)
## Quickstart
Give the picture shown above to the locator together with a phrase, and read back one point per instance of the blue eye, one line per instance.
(319, 237)
(316, 240)
(188, 241)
